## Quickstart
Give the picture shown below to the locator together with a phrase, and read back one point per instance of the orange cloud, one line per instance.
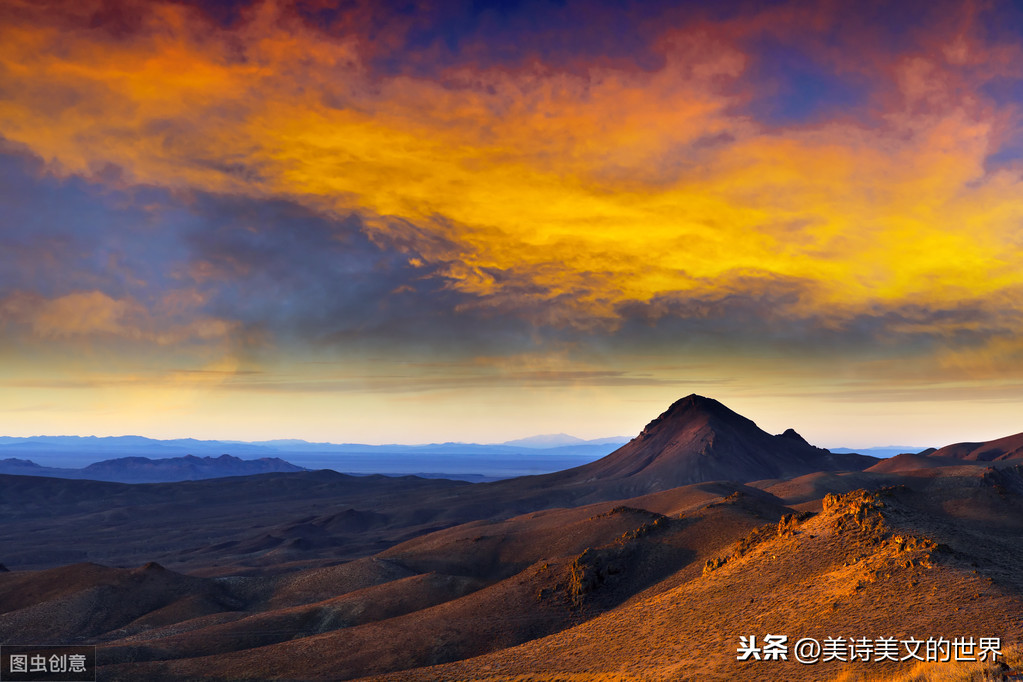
(83, 314)
(92, 314)
(569, 193)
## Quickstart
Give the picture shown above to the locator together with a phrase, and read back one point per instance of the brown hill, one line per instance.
(910, 462)
(1000, 450)
(618, 591)
(939, 559)
(1008, 449)
(698, 439)
(84, 601)
(492, 585)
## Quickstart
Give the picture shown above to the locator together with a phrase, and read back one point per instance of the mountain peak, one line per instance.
(792, 435)
(695, 402)
(692, 408)
(699, 439)
(547, 440)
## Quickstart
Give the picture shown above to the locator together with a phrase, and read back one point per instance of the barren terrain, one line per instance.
(649, 564)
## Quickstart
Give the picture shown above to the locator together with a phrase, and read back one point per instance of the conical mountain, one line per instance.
(698, 439)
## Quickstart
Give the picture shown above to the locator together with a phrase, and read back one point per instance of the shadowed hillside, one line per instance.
(699, 439)
(1010, 447)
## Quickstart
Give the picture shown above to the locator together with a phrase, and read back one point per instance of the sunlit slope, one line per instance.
(869, 565)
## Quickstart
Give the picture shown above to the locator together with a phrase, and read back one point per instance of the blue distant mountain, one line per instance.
(467, 461)
(882, 452)
(551, 440)
(145, 470)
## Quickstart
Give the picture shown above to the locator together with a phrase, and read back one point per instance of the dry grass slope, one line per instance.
(871, 564)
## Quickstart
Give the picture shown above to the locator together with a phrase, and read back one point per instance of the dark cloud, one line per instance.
(765, 317)
(424, 38)
(319, 282)
(294, 280)
(223, 13)
(793, 88)
(58, 236)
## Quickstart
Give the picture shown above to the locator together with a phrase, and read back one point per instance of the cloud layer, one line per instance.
(275, 183)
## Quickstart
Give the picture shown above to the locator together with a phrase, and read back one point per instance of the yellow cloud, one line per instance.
(581, 191)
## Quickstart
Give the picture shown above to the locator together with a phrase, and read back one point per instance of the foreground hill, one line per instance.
(656, 587)
(936, 557)
(451, 594)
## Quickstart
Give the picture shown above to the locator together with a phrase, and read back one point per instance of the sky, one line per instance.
(402, 222)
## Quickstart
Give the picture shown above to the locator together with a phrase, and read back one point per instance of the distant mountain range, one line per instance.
(711, 435)
(193, 446)
(467, 461)
(557, 440)
(145, 470)
(882, 452)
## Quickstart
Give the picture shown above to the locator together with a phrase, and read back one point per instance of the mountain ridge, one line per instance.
(998, 450)
(161, 470)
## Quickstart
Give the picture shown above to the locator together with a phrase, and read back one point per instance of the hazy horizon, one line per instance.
(885, 446)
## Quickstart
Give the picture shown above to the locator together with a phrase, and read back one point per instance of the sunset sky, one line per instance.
(376, 221)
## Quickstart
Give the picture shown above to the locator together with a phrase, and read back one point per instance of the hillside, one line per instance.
(871, 564)
(1000, 450)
